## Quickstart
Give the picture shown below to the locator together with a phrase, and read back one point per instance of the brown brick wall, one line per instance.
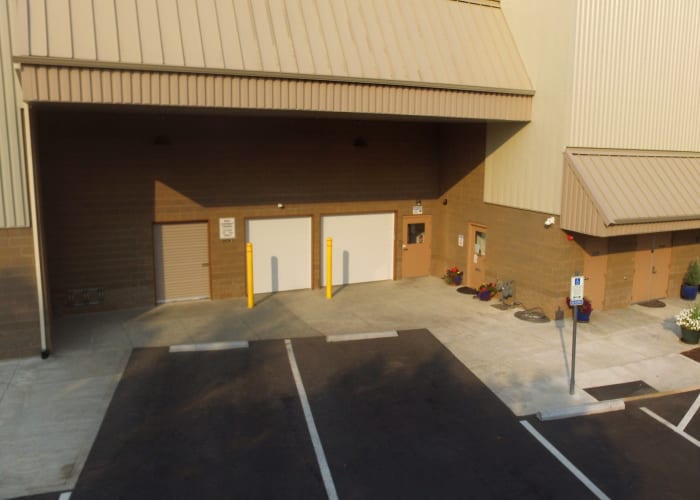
(519, 247)
(19, 312)
(108, 177)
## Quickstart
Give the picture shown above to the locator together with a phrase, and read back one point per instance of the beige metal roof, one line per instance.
(443, 44)
(610, 193)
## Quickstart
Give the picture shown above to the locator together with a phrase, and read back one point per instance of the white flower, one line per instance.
(689, 318)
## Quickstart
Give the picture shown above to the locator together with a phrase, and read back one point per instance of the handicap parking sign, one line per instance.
(576, 294)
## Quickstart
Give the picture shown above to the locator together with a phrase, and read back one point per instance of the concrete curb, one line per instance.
(581, 410)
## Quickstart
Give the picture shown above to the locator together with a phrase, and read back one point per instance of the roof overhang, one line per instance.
(434, 58)
(621, 192)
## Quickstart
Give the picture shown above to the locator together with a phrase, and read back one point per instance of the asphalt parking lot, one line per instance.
(649, 450)
(391, 417)
(385, 415)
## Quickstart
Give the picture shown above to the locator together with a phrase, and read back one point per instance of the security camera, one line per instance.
(549, 221)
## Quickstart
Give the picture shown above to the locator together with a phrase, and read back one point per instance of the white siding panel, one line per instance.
(59, 38)
(128, 32)
(248, 40)
(14, 210)
(228, 31)
(211, 38)
(106, 31)
(190, 32)
(636, 75)
(83, 29)
(169, 28)
(149, 31)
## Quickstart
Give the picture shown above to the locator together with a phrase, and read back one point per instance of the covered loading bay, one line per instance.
(154, 115)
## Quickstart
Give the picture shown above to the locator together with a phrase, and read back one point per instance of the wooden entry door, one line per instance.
(476, 255)
(652, 262)
(595, 267)
(416, 254)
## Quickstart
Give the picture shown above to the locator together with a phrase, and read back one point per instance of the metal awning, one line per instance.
(619, 192)
(442, 58)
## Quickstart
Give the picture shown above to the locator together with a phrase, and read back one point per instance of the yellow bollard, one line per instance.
(249, 274)
(329, 268)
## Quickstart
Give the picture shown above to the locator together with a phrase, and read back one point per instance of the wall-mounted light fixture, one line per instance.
(280, 205)
(418, 203)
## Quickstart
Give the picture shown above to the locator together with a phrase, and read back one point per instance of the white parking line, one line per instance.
(210, 346)
(347, 337)
(690, 414)
(311, 424)
(670, 426)
(565, 461)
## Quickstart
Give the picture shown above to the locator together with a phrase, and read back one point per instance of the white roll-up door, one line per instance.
(363, 247)
(281, 253)
(181, 261)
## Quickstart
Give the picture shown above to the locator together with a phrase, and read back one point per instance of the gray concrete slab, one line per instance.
(50, 410)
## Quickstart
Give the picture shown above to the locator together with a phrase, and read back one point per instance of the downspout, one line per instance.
(29, 153)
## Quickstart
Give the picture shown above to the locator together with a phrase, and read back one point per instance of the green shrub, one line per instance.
(692, 275)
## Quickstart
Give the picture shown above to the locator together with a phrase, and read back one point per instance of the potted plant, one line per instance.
(453, 276)
(689, 321)
(691, 280)
(583, 313)
(487, 290)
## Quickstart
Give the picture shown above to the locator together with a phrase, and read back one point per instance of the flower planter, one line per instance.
(689, 336)
(485, 295)
(582, 317)
(689, 292)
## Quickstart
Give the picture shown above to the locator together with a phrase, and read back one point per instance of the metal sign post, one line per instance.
(576, 299)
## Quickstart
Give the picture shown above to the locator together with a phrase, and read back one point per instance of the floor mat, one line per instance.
(652, 303)
(617, 391)
(693, 354)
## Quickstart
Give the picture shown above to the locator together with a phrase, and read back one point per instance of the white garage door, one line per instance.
(363, 247)
(281, 253)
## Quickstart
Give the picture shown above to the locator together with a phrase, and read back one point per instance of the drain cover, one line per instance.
(535, 315)
(467, 290)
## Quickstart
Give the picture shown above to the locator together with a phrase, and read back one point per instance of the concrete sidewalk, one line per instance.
(51, 410)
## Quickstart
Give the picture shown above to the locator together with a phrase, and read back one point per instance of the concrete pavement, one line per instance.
(51, 410)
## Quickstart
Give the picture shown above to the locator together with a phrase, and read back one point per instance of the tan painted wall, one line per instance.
(19, 313)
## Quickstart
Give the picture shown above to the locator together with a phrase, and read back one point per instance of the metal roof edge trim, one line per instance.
(577, 173)
(73, 63)
(632, 152)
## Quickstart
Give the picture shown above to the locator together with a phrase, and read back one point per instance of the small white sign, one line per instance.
(417, 209)
(227, 228)
(576, 293)
(460, 240)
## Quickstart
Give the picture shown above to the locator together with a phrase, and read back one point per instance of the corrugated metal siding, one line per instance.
(181, 261)
(636, 75)
(609, 193)
(523, 164)
(14, 210)
(106, 86)
(429, 43)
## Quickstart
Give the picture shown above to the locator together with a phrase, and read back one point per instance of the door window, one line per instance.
(416, 233)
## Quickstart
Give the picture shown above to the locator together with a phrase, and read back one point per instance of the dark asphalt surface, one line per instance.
(397, 418)
(628, 454)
